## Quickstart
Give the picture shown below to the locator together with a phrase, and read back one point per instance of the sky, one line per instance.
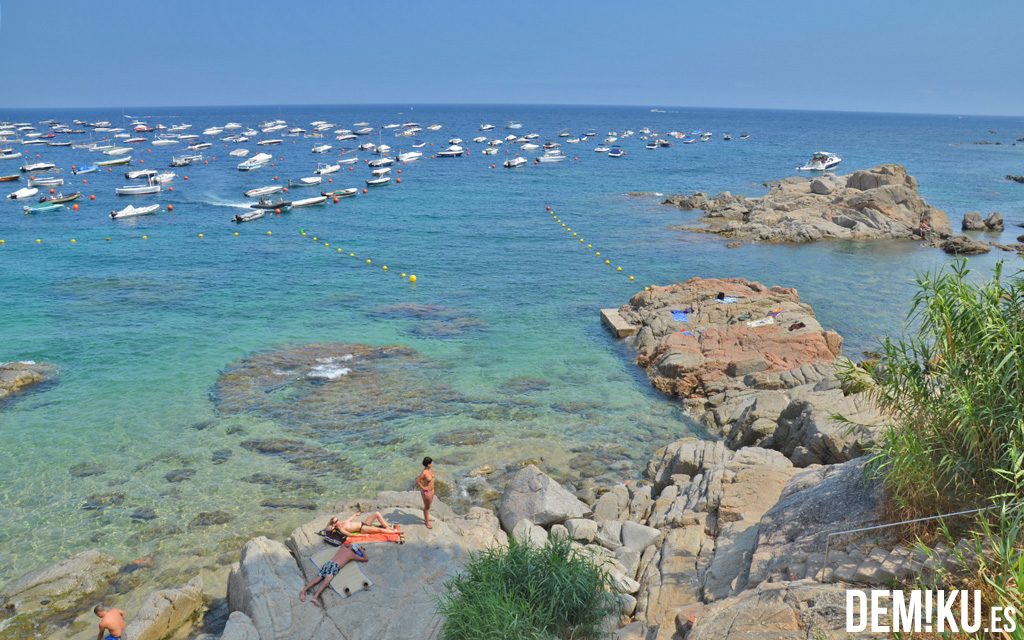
(916, 56)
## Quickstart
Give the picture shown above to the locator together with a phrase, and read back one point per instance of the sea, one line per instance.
(219, 381)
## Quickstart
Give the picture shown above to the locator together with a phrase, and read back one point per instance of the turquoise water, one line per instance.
(511, 355)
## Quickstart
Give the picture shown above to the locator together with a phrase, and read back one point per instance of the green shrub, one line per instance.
(954, 388)
(524, 592)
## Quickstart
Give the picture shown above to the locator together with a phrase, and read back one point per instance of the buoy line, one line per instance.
(589, 247)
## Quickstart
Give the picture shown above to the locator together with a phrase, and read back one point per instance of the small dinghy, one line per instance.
(340, 193)
(11, 178)
(249, 216)
(37, 166)
(239, 153)
(24, 192)
(262, 191)
(132, 211)
(10, 155)
(311, 181)
(60, 198)
(47, 207)
(267, 205)
(115, 162)
(137, 190)
(165, 177)
(89, 168)
(351, 160)
(46, 181)
(512, 163)
(453, 151)
(323, 169)
(309, 202)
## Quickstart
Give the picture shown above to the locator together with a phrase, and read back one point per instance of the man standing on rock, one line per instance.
(111, 622)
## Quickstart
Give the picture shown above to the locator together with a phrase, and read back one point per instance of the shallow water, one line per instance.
(512, 362)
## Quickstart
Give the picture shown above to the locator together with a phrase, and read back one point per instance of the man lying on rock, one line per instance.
(341, 557)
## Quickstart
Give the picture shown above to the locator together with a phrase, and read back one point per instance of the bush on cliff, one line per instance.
(524, 592)
(954, 388)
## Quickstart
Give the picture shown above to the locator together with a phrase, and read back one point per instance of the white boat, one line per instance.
(382, 150)
(213, 131)
(255, 162)
(10, 155)
(266, 143)
(117, 151)
(132, 211)
(309, 202)
(322, 148)
(552, 156)
(37, 166)
(433, 127)
(163, 142)
(232, 125)
(351, 160)
(239, 153)
(529, 146)
(306, 182)
(513, 125)
(409, 156)
(165, 177)
(199, 146)
(512, 163)
(141, 173)
(46, 181)
(480, 139)
(602, 149)
(453, 151)
(115, 162)
(365, 131)
(378, 181)
(821, 161)
(24, 192)
(340, 193)
(263, 191)
(323, 169)
(486, 127)
(455, 141)
(381, 162)
(138, 190)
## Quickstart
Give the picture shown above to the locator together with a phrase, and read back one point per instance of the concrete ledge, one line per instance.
(616, 323)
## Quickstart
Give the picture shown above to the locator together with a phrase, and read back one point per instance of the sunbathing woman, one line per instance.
(354, 526)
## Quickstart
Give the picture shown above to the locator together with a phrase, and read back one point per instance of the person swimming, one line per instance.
(111, 622)
(425, 483)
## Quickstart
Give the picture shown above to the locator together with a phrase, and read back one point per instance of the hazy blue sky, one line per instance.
(938, 56)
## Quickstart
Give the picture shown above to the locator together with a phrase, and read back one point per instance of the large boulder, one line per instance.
(994, 222)
(167, 611)
(972, 222)
(964, 246)
(533, 496)
(265, 583)
(240, 627)
(880, 176)
(18, 376)
(62, 585)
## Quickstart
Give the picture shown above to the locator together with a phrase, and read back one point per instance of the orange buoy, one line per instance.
(275, 178)
(92, 197)
(398, 180)
(277, 211)
(53, 191)
(335, 200)
(74, 207)
(141, 161)
(285, 190)
(170, 207)
(184, 177)
(206, 162)
(84, 181)
(399, 172)
(365, 190)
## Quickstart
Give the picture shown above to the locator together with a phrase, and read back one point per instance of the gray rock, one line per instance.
(19, 376)
(994, 222)
(627, 603)
(972, 222)
(609, 535)
(239, 627)
(61, 585)
(559, 531)
(637, 537)
(167, 612)
(529, 533)
(581, 529)
(612, 505)
(964, 246)
(820, 187)
(532, 495)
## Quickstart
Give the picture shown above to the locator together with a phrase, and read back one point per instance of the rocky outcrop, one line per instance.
(963, 246)
(60, 586)
(166, 612)
(265, 583)
(531, 495)
(1014, 178)
(973, 222)
(239, 627)
(878, 203)
(753, 363)
(19, 376)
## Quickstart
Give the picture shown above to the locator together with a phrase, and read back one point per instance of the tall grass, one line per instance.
(954, 388)
(524, 592)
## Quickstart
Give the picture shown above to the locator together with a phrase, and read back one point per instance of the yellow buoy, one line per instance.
(73, 241)
(647, 288)
(327, 244)
(412, 277)
(339, 249)
(597, 253)
(38, 241)
(145, 237)
(351, 254)
(618, 268)
(384, 268)
(107, 238)
(199, 235)
(3, 242)
(608, 262)
(270, 233)
(403, 274)
(236, 234)
(368, 261)
(631, 278)
(314, 237)
(590, 246)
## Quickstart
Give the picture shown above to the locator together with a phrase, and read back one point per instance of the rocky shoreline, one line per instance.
(722, 538)
(19, 377)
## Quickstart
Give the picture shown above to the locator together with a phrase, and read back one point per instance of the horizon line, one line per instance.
(518, 104)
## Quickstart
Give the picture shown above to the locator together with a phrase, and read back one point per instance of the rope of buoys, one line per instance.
(575, 234)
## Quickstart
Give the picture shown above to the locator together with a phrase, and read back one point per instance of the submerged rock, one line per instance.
(964, 246)
(210, 518)
(878, 203)
(432, 320)
(524, 384)
(16, 377)
(57, 588)
(301, 455)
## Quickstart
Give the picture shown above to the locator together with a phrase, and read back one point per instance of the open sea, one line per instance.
(185, 417)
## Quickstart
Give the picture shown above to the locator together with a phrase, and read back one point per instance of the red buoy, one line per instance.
(170, 207)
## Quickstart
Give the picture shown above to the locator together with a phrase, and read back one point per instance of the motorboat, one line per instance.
(60, 198)
(616, 152)
(381, 162)
(213, 131)
(365, 131)
(116, 162)
(127, 141)
(11, 178)
(239, 153)
(46, 181)
(821, 161)
(726, 136)
(23, 193)
(138, 190)
(529, 146)
(486, 127)
(255, 162)
(37, 166)
(323, 169)
(200, 146)
(306, 182)
(744, 135)
(352, 160)
(141, 173)
(433, 127)
(418, 145)
(382, 150)
(480, 139)
(163, 142)
(512, 163)
(46, 207)
(267, 205)
(117, 151)
(653, 144)
(322, 148)
(453, 151)
(309, 202)
(263, 191)
(513, 125)
(267, 143)
(340, 193)
(378, 181)
(131, 211)
(602, 149)
(367, 146)
(184, 161)
(89, 168)
(8, 154)
(409, 156)
(663, 142)
(552, 156)
(249, 216)
(164, 177)
(489, 151)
